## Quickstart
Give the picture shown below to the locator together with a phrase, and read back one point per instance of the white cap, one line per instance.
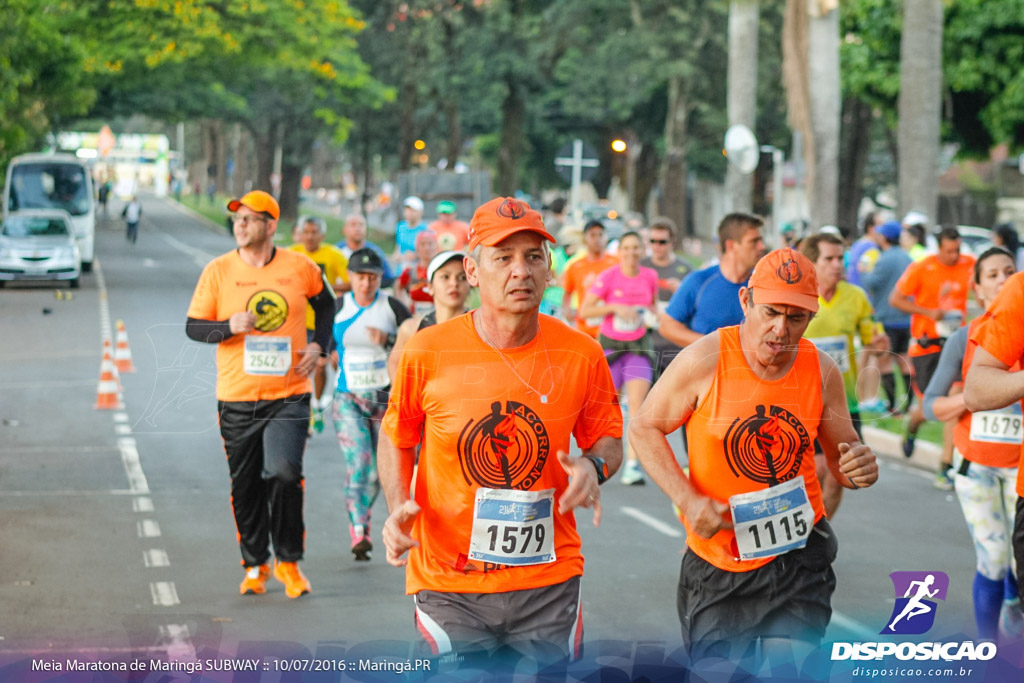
(915, 218)
(414, 202)
(830, 230)
(440, 260)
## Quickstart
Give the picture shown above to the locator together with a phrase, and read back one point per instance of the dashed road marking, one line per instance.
(148, 528)
(142, 504)
(132, 465)
(164, 593)
(156, 557)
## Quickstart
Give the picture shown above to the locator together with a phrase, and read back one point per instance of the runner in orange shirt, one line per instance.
(993, 383)
(492, 398)
(582, 273)
(934, 292)
(754, 398)
(251, 302)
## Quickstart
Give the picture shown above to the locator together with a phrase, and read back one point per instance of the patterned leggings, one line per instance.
(357, 417)
(988, 498)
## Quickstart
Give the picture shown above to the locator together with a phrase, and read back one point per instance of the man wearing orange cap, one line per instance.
(251, 302)
(494, 558)
(754, 397)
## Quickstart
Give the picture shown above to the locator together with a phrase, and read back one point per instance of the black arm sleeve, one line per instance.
(323, 310)
(208, 331)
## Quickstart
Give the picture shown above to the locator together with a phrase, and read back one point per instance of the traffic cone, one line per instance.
(108, 353)
(107, 396)
(122, 353)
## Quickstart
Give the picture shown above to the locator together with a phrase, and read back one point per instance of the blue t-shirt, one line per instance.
(858, 251)
(405, 235)
(706, 301)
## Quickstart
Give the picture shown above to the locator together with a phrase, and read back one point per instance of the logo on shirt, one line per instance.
(505, 449)
(768, 446)
(914, 612)
(271, 310)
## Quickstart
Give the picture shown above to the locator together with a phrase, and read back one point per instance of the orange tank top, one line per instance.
(991, 447)
(748, 434)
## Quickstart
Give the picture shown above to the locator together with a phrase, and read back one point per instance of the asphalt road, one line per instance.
(118, 539)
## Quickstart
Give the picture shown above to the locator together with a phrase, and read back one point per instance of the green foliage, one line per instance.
(40, 66)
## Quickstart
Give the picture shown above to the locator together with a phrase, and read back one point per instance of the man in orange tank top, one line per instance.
(754, 397)
(493, 398)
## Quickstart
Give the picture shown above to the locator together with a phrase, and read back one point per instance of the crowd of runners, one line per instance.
(459, 369)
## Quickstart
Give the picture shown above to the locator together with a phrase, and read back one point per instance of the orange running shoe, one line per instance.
(255, 580)
(295, 582)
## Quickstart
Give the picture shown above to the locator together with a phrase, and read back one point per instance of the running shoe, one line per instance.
(318, 421)
(875, 405)
(295, 582)
(361, 545)
(632, 475)
(255, 580)
(908, 443)
(943, 481)
(1011, 621)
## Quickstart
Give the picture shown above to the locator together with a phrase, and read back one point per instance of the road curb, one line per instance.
(889, 445)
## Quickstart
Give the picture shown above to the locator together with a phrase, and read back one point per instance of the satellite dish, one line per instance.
(741, 148)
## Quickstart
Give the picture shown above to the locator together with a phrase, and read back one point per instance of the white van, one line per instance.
(55, 181)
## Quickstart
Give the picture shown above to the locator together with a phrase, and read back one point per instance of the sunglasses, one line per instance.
(658, 241)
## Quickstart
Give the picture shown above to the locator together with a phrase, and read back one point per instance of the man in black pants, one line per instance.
(251, 302)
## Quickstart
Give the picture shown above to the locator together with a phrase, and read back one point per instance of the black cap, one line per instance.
(366, 260)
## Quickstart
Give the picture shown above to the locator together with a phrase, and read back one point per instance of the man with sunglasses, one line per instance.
(671, 270)
(251, 302)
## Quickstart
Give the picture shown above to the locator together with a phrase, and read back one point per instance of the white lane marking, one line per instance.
(132, 466)
(67, 493)
(101, 286)
(179, 644)
(59, 449)
(148, 263)
(200, 257)
(122, 429)
(148, 528)
(156, 558)
(853, 626)
(164, 593)
(652, 522)
(121, 418)
(142, 504)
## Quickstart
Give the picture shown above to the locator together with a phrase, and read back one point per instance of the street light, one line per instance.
(420, 145)
(618, 146)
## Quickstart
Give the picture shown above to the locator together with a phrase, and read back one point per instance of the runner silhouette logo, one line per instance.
(916, 596)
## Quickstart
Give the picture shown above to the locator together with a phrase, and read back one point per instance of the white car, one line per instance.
(975, 240)
(39, 244)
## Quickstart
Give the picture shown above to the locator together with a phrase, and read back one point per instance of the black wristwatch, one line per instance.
(601, 466)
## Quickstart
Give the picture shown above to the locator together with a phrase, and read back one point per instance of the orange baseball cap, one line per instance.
(785, 276)
(257, 200)
(501, 217)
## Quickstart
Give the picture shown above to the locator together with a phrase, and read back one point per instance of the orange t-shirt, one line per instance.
(726, 433)
(934, 285)
(452, 236)
(483, 429)
(1001, 333)
(578, 277)
(278, 294)
(981, 452)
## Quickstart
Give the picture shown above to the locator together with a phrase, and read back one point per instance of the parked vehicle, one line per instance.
(39, 244)
(55, 181)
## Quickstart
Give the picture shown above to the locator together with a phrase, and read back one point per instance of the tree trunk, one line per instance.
(243, 169)
(853, 157)
(646, 174)
(673, 168)
(510, 150)
(826, 111)
(407, 128)
(264, 142)
(794, 78)
(920, 106)
(741, 95)
(454, 120)
(221, 146)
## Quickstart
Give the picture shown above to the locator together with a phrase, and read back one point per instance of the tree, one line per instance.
(920, 106)
(742, 90)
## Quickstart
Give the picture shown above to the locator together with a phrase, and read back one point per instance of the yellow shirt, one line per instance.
(332, 262)
(833, 328)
